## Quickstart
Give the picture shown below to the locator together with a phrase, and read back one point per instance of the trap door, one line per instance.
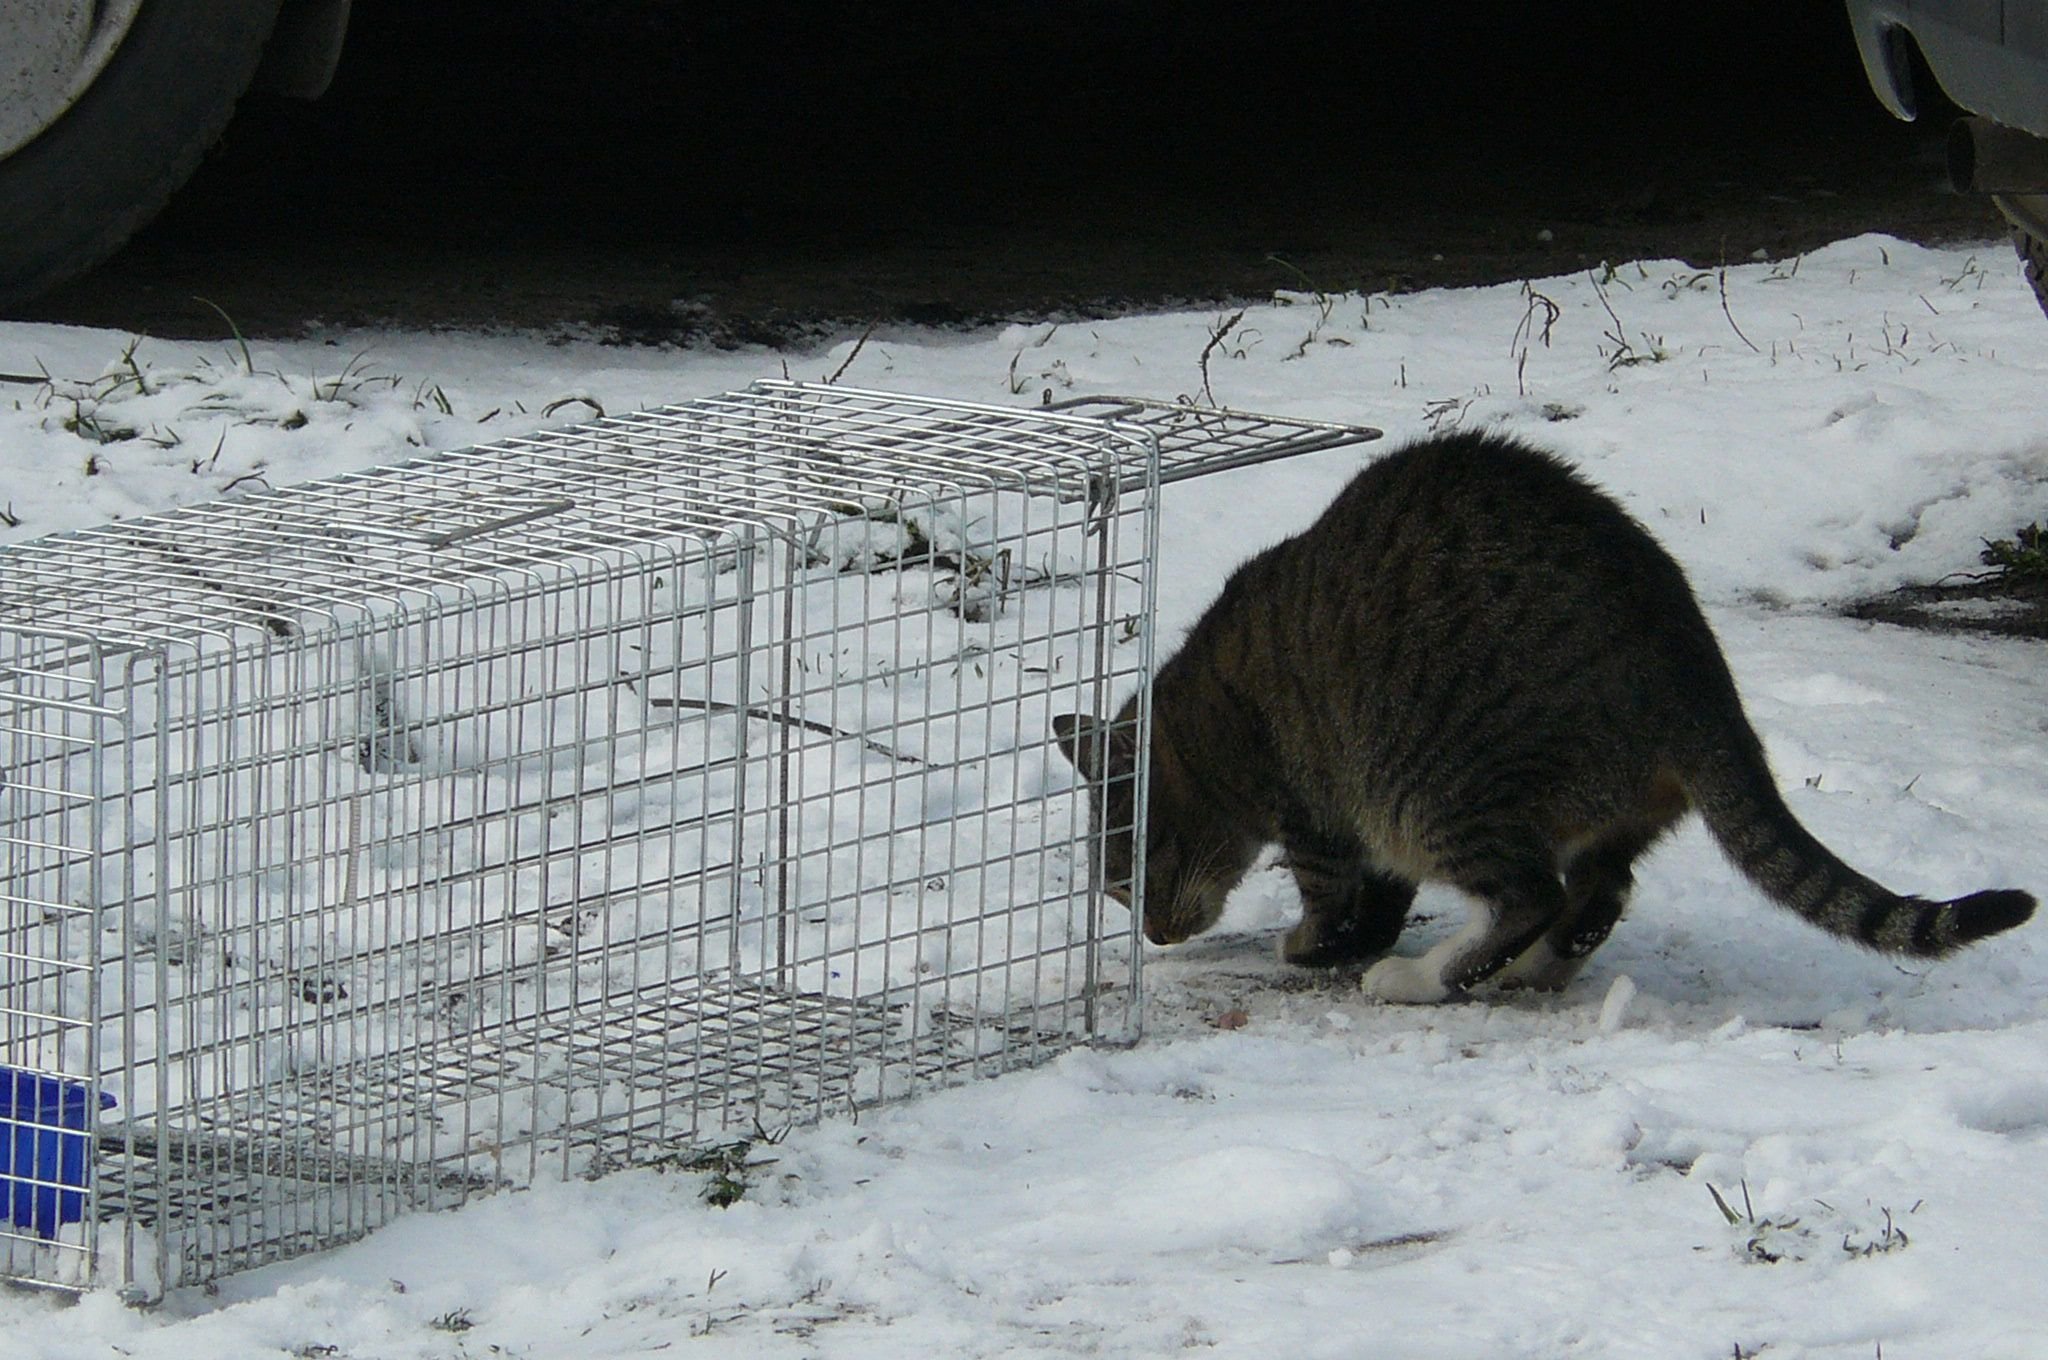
(56, 726)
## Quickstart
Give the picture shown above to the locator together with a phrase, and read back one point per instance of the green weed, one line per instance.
(728, 1168)
(1771, 1240)
(2024, 556)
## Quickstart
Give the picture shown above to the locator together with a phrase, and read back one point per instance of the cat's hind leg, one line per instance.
(1516, 899)
(1597, 883)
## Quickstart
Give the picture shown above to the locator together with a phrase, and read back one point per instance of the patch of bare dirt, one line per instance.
(2003, 606)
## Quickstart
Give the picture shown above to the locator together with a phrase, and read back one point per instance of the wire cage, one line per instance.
(554, 805)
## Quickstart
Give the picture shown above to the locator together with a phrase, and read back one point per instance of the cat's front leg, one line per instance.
(1351, 912)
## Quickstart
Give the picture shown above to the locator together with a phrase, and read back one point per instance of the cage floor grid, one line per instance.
(785, 1049)
(800, 1055)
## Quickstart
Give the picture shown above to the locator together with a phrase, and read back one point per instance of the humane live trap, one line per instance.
(554, 805)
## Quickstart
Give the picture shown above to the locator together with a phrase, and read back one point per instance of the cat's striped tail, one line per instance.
(1736, 795)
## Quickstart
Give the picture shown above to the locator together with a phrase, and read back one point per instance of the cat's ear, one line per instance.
(1095, 748)
(1080, 742)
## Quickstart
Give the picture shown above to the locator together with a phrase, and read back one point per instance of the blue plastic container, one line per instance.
(45, 1149)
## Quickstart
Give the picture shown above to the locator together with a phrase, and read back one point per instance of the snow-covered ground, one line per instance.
(1282, 1168)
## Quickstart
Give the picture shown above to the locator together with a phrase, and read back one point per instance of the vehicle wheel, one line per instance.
(2033, 252)
(106, 107)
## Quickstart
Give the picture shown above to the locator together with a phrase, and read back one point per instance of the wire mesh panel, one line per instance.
(547, 806)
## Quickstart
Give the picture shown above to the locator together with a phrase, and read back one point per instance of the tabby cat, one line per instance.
(1474, 668)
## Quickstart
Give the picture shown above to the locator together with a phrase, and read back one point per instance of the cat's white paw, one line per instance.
(1404, 981)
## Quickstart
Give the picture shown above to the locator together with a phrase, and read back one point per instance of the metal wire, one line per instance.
(560, 803)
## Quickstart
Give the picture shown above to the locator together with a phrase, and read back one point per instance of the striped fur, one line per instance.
(1474, 668)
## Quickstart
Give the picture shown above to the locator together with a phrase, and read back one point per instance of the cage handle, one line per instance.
(442, 538)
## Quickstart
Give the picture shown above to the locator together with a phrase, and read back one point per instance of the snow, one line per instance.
(1320, 1175)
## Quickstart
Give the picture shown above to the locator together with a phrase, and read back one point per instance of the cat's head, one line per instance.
(1194, 851)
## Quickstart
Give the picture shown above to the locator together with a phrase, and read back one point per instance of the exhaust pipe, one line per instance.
(1990, 158)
